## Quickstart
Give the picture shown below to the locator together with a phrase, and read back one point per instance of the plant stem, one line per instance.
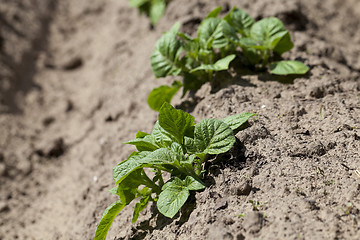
(150, 184)
(266, 55)
(223, 51)
(210, 76)
(198, 168)
(161, 180)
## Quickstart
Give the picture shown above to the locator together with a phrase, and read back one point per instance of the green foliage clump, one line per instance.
(213, 49)
(154, 9)
(176, 146)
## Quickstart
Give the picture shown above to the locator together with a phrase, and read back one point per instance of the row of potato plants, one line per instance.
(257, 45)
(169, 162)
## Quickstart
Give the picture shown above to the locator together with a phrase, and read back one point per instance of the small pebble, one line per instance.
(253, 222)
(221, 204)
(4, 207)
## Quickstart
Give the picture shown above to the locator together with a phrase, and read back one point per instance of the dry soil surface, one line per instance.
(74, 78)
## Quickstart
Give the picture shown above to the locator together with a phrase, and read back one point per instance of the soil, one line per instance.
(74, 79)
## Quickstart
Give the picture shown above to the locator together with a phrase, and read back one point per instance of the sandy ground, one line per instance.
(74, 78)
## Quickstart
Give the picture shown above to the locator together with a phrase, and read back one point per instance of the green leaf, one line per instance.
(288, 67)
(165, 57)
(190, 131)
(201, 156)
(128, 188)
(210, 33)
(137, 3)
(185, 36)
(252, 56)
(213, 136)
(139, 207)
(136, 155)
(230, 32)
(247, 42)
(162, 137)
(107, 219)
(222, 64)
(141, 134)
(189, 144)
(284, 45)
(153, 159)
(173, 196)
(214, 13)
(157, 10)
(178, 154)
(145, 8)
(191, 82)
(250, 50)
(114, 190)
(147, 143)
(268, 32)
(174, 121)
(236, 121)
(162, 94)
(190, 159)
(175, 193)
(162, 156)
(177, 148)
(240, 20)
(192, 184)
(189, 44)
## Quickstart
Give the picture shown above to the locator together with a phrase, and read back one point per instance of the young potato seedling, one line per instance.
(262, 41)
(154, 9)
(215, 47)
(177, 146)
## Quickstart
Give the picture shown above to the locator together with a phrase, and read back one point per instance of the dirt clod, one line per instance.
(73, 63)
(242, 188)
(4, 207)
(58, 148)
(221, 204)
(253, 222)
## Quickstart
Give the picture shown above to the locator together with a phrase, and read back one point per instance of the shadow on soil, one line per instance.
(19, 75)
(146, 227)
(224, 79)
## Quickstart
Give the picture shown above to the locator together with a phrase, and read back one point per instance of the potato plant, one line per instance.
(217, 43)
(176, 146)
(154, 9)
